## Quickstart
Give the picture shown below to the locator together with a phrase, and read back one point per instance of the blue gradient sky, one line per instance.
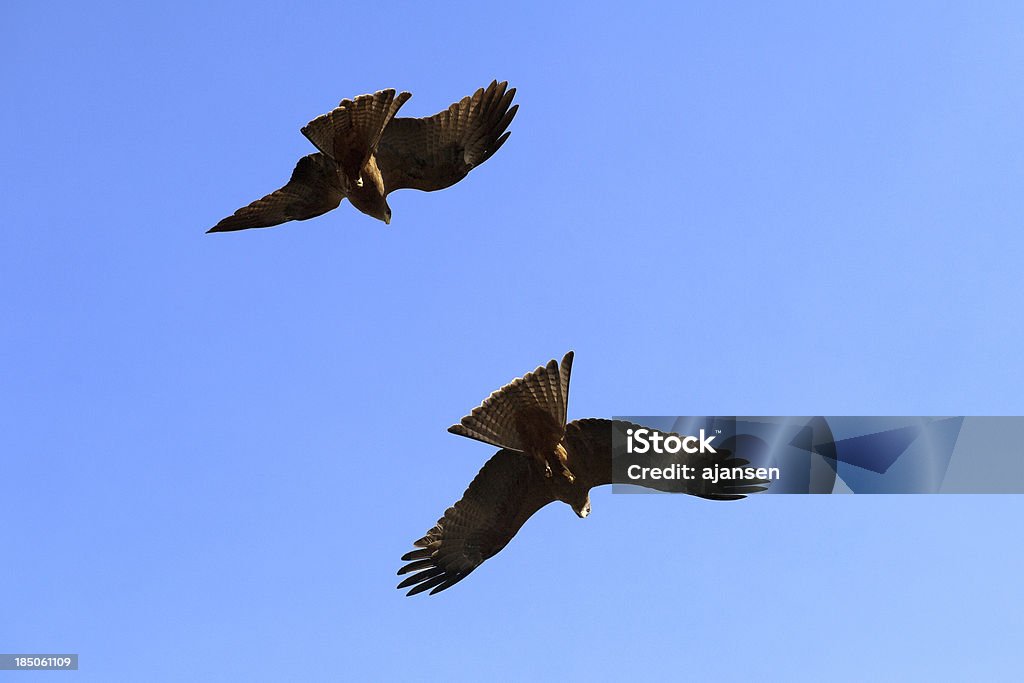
(216, 447)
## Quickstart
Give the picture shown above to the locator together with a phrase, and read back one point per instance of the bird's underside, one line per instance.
(365, 153)
(517, 481)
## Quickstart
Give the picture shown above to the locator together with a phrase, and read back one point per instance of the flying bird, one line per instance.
(542, 459)
(366, 153)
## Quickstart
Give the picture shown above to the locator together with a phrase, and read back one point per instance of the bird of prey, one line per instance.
(542, 459)
(366, 153)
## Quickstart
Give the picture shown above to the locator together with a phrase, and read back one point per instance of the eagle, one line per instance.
(542, 459)
(366, 153)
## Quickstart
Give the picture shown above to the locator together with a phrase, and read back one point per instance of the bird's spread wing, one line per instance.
(527, 414)
(349, 133)
(436, 152)
(312, 190)
(589, 443)
(505, 493)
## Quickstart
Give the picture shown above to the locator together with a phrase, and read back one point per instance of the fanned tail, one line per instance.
(528, 411)
(350, 132)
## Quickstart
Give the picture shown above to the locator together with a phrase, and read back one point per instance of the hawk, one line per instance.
(542, 459)
(366, 153)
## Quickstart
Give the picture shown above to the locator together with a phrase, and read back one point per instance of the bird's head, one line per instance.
(373, 205)
(368, 194)
(582, 507)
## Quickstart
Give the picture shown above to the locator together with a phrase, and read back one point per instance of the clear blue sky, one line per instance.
(215, 448)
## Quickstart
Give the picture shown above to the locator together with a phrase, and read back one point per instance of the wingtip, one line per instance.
(408, 581)
(419, 553)
(566, 364)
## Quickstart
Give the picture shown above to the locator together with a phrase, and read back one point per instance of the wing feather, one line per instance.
(503, 495)
(311, 191)
(435, 152)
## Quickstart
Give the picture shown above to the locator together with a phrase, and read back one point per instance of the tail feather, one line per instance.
(499, 419)
(350, 132)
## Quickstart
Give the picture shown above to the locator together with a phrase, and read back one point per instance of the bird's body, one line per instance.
(365, 153)
(542, 459)
(367, 193)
